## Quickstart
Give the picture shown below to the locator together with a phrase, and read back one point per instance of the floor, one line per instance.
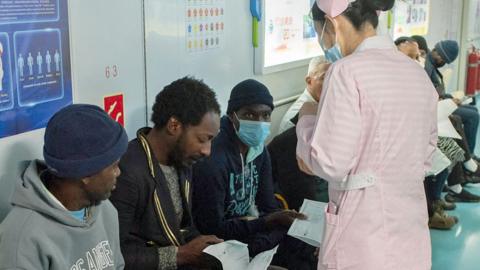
(459, 248)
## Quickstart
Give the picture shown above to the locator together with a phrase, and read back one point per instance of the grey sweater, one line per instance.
(41, 234)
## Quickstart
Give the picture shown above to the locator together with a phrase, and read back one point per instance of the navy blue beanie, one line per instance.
(249, 92)
(448, 50)
(81, 140)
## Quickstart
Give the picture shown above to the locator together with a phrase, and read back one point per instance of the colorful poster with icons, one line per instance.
(204, 25)
(35, 75)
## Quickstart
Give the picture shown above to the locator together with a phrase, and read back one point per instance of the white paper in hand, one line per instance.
(445, 128)
(310, 231)
(262, 260)
(439, 162)
(234, 256)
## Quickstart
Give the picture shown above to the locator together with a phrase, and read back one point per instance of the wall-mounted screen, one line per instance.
(287, 36)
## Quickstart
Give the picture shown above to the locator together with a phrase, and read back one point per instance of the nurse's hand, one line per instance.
(308, 108)
(303, 167)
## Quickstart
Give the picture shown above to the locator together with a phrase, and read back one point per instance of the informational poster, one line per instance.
(204, 25)
(35, 75)
(289, 32)
(411, 17)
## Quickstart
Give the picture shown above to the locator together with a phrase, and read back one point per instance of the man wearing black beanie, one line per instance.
(233, 194)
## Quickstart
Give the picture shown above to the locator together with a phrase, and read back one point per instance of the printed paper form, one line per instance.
(310, 231)
(234, 256)
(445, 128)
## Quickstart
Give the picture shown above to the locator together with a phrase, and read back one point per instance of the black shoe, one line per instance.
(471, 178)
(463, 196)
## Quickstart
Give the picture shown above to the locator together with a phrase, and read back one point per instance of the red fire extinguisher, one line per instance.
(478, 71)
(472, 73)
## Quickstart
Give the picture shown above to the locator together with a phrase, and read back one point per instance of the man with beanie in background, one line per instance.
(61, 218)
(233, 193)
(153, 194)
(445, 52)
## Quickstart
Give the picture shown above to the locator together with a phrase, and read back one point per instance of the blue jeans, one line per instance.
(433, 189)
(470, 119)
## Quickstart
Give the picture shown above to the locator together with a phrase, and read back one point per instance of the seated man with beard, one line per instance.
(154, 191)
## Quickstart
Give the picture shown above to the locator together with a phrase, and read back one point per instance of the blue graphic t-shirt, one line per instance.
(228, 186)
(243, 189)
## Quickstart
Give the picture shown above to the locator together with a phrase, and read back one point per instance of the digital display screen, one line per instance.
(289, 32)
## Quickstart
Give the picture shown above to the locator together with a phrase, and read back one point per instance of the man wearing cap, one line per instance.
(60, 217)
(445, 52)
(153, 195)
(233, 189)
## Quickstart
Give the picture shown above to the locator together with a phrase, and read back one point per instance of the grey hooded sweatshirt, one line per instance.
(39, 233)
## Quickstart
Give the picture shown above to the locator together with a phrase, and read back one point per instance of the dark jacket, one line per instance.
(221, 195)
(294, 184)
(145, 208)
(436, 77)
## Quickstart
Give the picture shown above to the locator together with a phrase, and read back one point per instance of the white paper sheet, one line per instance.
(310, 231)
(234, 256)
(445, 128)
(467, 101)
(439, 162)
(262, 260)
(445, 108)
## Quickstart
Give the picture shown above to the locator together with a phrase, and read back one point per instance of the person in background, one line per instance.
(233, 190)
(294, 184)
(359, 138)
(422, 47)
(61, 218)
(153, 195)
(317, 69)
(445, 52)
(408, 46)
(434, 184)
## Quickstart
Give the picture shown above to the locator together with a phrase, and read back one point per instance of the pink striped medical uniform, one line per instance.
(372, 140)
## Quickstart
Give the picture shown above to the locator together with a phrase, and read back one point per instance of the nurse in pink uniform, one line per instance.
(372, 138)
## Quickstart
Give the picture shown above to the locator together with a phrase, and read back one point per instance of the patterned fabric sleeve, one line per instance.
(167, 258)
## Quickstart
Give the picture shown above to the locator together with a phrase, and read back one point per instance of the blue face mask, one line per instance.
(333, 54)
(253, 133)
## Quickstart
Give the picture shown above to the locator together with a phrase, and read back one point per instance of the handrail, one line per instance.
(285, 101)
(474, 39)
